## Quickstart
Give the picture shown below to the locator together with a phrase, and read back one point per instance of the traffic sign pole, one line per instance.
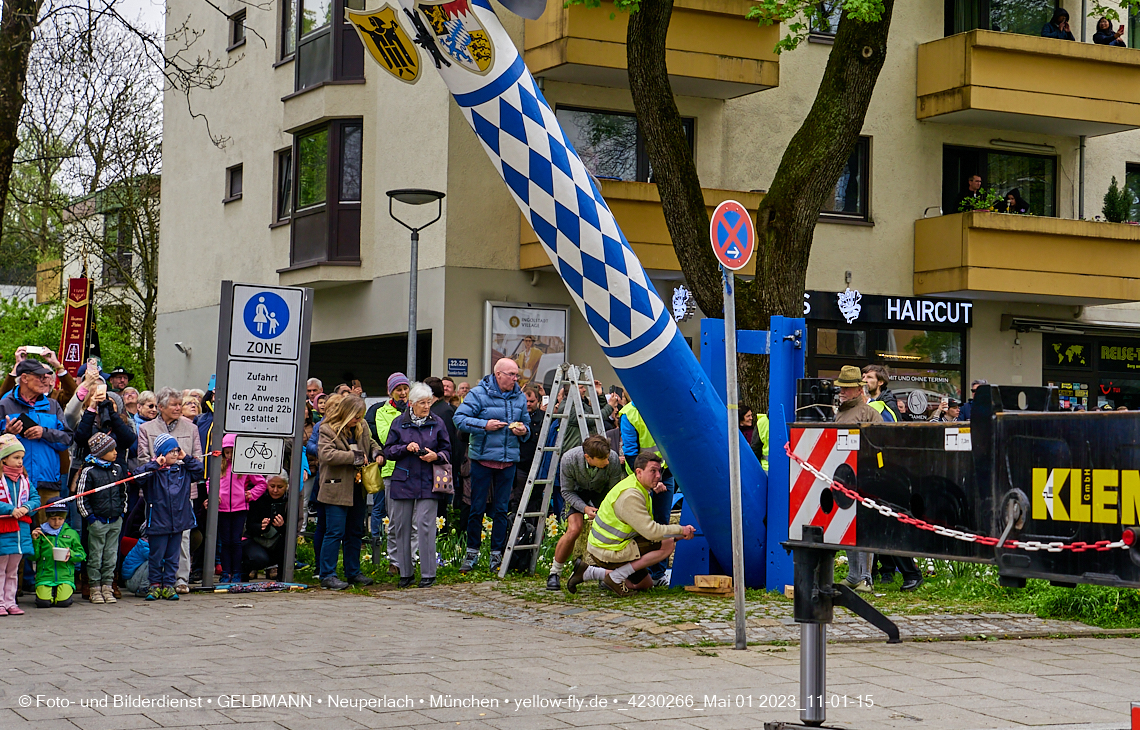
(221, 405)
(733, 239)
(295, 477)
(265, 346)
(734, 454)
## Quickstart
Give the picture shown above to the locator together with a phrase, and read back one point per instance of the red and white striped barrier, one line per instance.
(825, 449)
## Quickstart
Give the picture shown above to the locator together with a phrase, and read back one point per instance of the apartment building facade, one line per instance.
(318, 133)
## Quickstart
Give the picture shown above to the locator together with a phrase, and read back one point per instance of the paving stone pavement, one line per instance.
(382, 663)
(663, 620)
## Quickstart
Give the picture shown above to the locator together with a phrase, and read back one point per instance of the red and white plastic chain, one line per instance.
(1028, 545)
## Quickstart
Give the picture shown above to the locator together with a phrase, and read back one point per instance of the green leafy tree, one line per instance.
(808, 170)
(88, 183)
(26, 323)
(1117, 203)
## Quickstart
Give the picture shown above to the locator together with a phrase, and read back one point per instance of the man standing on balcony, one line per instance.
(973, 188)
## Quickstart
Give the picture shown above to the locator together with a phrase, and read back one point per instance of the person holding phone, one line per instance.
(37, 421)
(1105, 36)
(63, 385)
(265, 528)
(1058, 26)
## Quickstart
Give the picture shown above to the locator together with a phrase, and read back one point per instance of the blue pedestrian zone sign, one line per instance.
(266, 315)
(266, 322)
(732, 234)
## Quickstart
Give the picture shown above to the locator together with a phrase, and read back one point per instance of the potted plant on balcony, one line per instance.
(1117, 203)
(985, 199)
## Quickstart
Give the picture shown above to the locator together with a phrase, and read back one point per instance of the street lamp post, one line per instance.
(414, 196)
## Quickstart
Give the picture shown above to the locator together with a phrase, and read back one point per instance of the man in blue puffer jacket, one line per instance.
(50, 435)
(495, 415)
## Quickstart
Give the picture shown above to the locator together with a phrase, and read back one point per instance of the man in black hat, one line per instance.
(118, 379)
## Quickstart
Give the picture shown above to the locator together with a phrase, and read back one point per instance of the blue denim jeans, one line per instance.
(498, 483)
(343, 526)
(662, 509)
(318, 537)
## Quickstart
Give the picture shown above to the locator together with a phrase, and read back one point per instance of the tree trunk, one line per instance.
(812, 162)
(808, 170)
(17, 24)
(674, 169)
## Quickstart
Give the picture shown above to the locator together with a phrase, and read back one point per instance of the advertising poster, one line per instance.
(533, 335)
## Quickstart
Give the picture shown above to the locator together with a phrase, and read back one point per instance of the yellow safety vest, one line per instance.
(609, 532)
(762, 430)
(645, 440)
(881, 406)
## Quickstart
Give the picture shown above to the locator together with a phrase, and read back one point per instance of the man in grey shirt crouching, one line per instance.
(588, 473)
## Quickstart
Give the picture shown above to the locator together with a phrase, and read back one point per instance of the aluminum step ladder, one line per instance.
(570, 407)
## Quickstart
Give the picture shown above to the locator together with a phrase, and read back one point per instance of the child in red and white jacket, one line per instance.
(17, 499)
(234, 496)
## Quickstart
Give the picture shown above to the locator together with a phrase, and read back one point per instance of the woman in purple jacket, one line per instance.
(417, 440)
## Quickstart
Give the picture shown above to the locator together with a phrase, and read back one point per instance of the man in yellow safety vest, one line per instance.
(635, 438)
(624, 539)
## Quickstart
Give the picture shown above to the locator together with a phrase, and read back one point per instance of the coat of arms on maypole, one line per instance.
(386, 41)
(459, 33)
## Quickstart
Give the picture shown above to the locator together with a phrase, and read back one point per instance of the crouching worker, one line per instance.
(58, 553)
(624, 540)
(588, 473)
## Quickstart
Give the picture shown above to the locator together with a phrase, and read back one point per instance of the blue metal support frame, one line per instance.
(785, 343)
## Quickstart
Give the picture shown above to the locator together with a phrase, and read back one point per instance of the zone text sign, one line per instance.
(261, 397)
(266, 322)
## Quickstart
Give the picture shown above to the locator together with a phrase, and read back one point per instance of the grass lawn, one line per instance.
(948, 588)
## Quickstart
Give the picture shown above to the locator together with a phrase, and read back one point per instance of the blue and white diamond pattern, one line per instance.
(549, 182)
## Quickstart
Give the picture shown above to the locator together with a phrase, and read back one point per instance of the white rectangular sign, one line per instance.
(261, 397)
(266, 322)
(958, 439)
(847, 440)
(258, 455)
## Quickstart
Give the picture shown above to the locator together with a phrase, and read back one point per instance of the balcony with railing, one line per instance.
(988, 255)
(1025, 83)
(712, 50)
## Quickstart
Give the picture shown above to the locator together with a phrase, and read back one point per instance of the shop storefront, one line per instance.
(921, 341)
(1093, 370)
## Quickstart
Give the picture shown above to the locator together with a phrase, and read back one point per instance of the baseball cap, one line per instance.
(34, 367)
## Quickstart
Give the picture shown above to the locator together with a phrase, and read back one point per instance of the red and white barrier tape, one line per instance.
(1027, 545)
(131, 478)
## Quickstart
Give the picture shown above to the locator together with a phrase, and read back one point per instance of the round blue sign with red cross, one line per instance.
(732, 234)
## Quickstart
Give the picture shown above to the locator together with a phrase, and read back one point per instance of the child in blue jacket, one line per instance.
(169, 511)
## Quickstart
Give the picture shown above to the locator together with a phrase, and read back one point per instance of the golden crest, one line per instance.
(381, 33)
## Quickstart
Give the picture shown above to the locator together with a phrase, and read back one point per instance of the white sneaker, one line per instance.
(97, 595)
(109, 595)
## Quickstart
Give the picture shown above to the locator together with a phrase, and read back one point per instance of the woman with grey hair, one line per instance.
(147, 407)
(416, 442)
(171, 422)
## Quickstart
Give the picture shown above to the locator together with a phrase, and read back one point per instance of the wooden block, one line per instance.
(724, 592)
(712, 581)
(789, 592)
